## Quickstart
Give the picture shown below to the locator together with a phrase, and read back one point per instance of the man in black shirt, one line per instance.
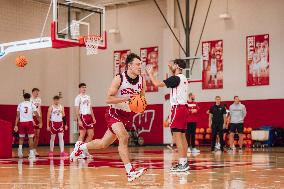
(217, 115)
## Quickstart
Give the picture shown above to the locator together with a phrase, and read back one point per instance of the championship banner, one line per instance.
(119, 60)
(257, 60)
(212, 74)
(149, 55)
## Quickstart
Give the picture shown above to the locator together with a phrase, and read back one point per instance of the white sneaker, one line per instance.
(77, 152)
(88, 155)
(188, 150)
(133, 174)
(195, 151)
(218, 146)
(20, 153)
(32, 155)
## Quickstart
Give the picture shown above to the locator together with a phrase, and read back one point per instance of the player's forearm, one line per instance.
(17, 120)
(116, 100)
(155, 81)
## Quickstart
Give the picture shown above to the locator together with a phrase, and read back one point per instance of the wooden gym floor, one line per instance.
(250, 169)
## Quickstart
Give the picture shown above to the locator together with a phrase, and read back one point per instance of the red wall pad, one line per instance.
(6, 139)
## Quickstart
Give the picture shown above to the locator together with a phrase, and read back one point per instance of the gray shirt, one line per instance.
(238, 113)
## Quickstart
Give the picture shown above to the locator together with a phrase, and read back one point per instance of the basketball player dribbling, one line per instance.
(122, 88)
(179, 109)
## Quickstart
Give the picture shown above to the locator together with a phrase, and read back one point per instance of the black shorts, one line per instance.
(236, 127)
(176, 130)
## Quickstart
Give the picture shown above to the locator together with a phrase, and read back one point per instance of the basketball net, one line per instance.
(75, 29)
(92, 43)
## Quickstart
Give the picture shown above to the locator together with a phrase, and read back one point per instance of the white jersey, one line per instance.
(56, 113)
(84, 104)
(37, 102)
(26, 110)
(179, 94)
(127, 89)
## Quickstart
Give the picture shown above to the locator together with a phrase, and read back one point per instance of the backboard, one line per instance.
(73, 20)
(194, 69)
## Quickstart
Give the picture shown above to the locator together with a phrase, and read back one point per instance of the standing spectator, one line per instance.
(237, 115)
(217, 116)
(191, 123)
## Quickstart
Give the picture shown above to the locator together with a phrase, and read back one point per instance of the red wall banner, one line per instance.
(119, 58)
(149, 55)
(212, 74)
(257, 60)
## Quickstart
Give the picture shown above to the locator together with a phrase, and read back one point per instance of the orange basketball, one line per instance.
(197, 136)
(201, 136)
(249, 136)
(208, 130)
(197, 130)
(21, 61)
(249, 129)
(207, 136)
(245, 130)
(201, 130)
(244, 142)
(137, 104)
(196, 142)
(235, 142)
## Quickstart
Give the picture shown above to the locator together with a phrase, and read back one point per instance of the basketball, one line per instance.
(197, 130)
(208, 130)
(21, 61)
(249, 129)
(196, 142)
(137, 104)
(207, 136)
(201, 130)
(245, 130)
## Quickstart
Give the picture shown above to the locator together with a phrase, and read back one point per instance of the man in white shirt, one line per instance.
(178, 85)
(84, 116)
(24, 124)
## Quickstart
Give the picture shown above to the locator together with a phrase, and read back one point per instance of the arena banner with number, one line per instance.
(119, 57)
(149, 55)
(212, 57)
(257, 60)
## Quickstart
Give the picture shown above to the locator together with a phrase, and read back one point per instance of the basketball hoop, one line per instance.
(92, 43)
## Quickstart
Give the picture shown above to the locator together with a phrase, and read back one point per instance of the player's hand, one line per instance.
(16, 128)
(66, 127)
(149, 69)
(80, 123)
(193, 111)
(94, 120)
(48, 128)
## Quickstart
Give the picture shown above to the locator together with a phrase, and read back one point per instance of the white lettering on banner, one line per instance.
(143, 123)
(206, 47)
(251, 45)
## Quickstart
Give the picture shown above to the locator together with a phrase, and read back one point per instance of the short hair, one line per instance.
(190, 95)
(180, 63)
(82, 85)
(27, 96)
(130, 58)
(236, 97)
(217, 97)
(35, 89)
(56, 97)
